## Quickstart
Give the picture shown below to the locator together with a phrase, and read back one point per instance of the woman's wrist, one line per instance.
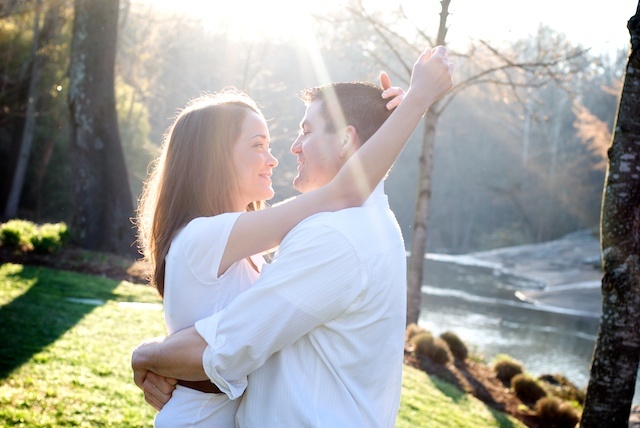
(416, 101)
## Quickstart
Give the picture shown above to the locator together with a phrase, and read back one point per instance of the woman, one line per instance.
(200, 220)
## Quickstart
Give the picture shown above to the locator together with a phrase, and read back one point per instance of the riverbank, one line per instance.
(568, 272)
(560, 277)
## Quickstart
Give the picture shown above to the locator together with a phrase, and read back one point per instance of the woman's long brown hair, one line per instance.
(193, 176)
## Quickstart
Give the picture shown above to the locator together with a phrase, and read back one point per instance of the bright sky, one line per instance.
(599, 25)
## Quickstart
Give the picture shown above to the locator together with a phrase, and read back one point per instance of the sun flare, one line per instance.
(248, 19)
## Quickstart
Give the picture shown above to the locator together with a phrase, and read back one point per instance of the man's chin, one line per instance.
(298, 184)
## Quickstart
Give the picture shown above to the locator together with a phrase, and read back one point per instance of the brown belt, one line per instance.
(202, 386)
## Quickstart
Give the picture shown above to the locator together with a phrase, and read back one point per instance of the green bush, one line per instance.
(439, 352)
(554, 413)
(49, 238)
(506, 368)
(412, 330)
(26, 236)
(563, 388)
(436, 349)
(421, 342)
(17, 233)
(456, 345)
(527, 388)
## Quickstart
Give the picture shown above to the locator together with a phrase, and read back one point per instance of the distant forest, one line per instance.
(512, 164)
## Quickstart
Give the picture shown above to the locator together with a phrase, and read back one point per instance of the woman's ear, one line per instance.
(350, 142)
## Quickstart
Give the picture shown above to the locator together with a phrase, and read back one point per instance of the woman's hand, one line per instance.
(431, 77)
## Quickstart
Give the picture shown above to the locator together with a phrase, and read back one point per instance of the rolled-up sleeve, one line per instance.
(315, 277)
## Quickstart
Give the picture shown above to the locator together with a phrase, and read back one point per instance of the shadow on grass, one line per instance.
(42, 314)
(456, 394)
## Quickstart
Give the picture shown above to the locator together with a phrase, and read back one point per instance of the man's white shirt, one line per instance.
(321, 333)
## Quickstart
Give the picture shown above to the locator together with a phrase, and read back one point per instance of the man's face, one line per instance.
(318, 152)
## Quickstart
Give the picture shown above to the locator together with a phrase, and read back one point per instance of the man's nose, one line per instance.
(296, 147)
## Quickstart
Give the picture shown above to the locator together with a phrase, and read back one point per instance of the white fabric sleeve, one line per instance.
(315, 277)
(205, 244)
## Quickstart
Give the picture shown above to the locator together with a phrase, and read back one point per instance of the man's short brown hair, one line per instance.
(358, 104)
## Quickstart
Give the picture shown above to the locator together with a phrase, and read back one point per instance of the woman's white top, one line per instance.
(193, 291)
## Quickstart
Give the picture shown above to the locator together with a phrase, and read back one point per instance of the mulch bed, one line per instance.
(478, 380)
(82, 261)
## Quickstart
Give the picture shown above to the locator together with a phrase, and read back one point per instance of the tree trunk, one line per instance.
(103, 205)
(415, 267)
(28, 130)
(615, 361)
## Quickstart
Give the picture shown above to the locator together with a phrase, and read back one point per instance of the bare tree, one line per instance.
(615, 361)
(486, 64)
(103, 205)
(415, 272)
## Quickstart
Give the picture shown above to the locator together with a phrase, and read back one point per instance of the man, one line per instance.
(321, 334)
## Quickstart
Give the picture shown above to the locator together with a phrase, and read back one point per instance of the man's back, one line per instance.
(350, 274)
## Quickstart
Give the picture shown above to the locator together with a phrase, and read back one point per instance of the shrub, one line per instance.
(506, 368)
(439, 352)
(49, 238)
(563, 388)
(421, 342)
(456, 345)
(527, 388)
(17, 233)
(412, 330)
(26, 236)
(554, 413)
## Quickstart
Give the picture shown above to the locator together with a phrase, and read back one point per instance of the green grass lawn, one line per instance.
(66, 345)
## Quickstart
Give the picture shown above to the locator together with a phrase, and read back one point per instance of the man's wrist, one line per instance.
(144, 356)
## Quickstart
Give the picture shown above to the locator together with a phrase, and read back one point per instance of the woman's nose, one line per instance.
(272, 160)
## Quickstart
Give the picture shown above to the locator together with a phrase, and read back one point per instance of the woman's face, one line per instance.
(253, 161)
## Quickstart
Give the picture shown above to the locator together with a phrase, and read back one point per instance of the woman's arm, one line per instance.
(259, 231)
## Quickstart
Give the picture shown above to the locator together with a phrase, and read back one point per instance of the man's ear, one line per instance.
(350, 142)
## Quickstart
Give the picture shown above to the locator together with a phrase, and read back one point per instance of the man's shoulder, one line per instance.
(338, 220)
(359, 223)
(317, 224)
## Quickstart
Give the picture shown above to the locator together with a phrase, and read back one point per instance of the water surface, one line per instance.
(478, 302)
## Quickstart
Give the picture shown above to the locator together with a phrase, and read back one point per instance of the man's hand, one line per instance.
(157, 389)
(395, 93)
(158, 363)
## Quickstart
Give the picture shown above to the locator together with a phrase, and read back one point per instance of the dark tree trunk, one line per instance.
(103, 205)
(615, 361)
(21, 150)
(415, 266)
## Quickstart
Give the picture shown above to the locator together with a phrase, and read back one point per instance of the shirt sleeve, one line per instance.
(315, 277)
(205, 242)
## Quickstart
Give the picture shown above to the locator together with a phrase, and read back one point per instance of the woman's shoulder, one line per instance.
(199, 224)
(205, 228)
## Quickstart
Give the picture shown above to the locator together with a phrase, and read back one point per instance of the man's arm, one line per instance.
(177, 356)
(157, 364)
